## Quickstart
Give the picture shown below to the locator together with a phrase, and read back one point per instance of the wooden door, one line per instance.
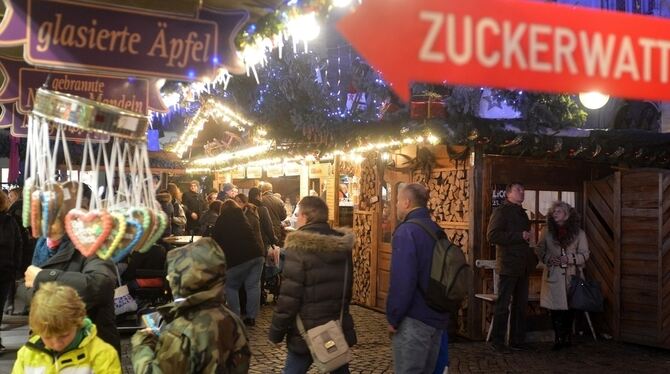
(388, 222)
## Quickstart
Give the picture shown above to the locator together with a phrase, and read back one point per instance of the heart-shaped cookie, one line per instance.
(28, 189)
(130, 239)
(88, 230)
(52, 202)
(146, 218)
(36, 213)
(118, 231)
(159, 227)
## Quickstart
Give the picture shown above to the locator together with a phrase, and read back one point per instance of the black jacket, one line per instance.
(93, 278)
(313, 283)
(193, 203)
(166, 204)
(234, 235)
(277, 212)
(251, 213)
(11, 247)
(16, 211)
(267, 231)
(514, 257)
(207, 221)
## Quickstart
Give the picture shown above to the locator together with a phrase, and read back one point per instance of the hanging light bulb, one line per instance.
(593, 100)
(304, 27)
(341, 3)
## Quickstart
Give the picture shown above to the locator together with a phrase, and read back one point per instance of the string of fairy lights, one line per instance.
(253, 156)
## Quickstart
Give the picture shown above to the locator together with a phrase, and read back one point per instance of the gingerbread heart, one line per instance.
(146, 218)
(118, 231)
(28, 189)
(36, 213)
(52, 202)
(159, 227)
(130, 239)
(88, 230)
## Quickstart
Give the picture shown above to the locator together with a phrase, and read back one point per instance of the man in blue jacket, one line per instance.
(415, 328)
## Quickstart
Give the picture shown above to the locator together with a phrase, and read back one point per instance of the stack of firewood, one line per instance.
(361, 256)
(449, 197)
(368, 182)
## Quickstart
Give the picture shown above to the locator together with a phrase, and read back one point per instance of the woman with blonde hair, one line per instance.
(179, 216)
(564, 250)
(63, 340)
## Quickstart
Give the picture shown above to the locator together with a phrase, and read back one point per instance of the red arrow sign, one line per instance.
(513, 44)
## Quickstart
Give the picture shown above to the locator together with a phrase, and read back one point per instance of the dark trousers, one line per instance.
(5, 287)
(514, 289)
(561, 321)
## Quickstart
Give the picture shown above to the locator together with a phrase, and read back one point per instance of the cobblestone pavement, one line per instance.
(372, 354)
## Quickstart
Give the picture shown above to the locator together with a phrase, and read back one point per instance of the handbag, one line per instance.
(123, 301)
(326, 343)
(585, 294)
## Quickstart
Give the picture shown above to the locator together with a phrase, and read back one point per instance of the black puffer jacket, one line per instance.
(11, 246)
(94, 280)
(514, 257)
(313, 283)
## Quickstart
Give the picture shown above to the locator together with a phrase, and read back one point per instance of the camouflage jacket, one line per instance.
(202, 335)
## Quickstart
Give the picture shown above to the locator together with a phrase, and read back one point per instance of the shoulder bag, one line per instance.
(326, 342)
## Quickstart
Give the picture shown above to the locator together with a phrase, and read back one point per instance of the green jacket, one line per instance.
(202, 335)
(92, 355)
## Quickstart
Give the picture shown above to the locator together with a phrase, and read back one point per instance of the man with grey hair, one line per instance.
(415, 328)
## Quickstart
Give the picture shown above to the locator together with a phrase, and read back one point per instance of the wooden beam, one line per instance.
(616, 230)
(476, 192)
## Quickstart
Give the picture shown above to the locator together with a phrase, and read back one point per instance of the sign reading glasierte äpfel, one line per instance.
(513, 44)
(61, 33)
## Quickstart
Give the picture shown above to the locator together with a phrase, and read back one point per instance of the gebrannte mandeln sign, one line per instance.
(65, 34)
(513, 44)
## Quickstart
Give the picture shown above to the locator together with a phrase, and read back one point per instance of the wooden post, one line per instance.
(475, 251)
(616, 226)
(304, 180)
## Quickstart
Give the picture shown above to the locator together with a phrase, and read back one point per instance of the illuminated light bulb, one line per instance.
(432, 139)
(304, 27)
(171, 99)
(341, 3)
(593, 100)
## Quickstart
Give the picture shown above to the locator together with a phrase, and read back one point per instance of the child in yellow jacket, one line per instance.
(64, 339)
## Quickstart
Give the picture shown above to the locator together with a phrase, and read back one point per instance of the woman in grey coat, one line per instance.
(564, 250)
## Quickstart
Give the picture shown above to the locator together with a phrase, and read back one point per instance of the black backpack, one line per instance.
(450, 276)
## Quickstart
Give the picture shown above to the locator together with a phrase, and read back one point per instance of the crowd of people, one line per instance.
(215, 283)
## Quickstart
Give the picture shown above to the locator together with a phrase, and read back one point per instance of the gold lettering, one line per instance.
(197, 47)
(81, 34)
(134, 39)
(205, 53)
(44, 36)
(102, 35)
(54, 39)
(67, 36)
(176, 46)
(159, 43)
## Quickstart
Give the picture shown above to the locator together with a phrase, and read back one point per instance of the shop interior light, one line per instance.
(593, 100)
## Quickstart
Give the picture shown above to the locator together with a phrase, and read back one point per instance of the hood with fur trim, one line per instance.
(330, 240)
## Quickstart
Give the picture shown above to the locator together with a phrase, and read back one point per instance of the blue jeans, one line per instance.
(247, 274)
(415, 347)
(299, 364)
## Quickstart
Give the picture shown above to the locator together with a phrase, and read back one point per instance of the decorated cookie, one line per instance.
(28, 188)
(88, 230)
(36, 213)
(159, 227)
(146, 218)
(114, 239)
(130, 239)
